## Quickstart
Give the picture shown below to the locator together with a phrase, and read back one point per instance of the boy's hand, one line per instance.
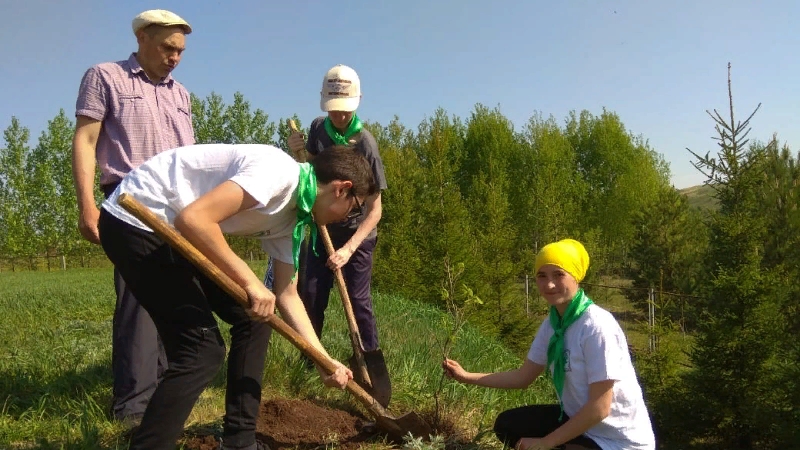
(262, 301)
(339, 378)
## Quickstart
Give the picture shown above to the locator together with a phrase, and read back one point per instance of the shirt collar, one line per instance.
(137, 69)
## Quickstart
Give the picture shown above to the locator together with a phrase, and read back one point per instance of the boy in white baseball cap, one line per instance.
(356, 237)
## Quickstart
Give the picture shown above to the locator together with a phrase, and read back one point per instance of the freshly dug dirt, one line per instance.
(303, 424)
(300, 424)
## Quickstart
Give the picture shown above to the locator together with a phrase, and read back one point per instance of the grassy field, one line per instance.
(55, 380)
(701, 196)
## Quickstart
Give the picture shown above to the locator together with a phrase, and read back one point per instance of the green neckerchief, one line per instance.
(555, 348)
(343, 139)
(306, 195)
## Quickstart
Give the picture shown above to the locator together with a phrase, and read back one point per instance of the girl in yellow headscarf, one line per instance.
(585, 350)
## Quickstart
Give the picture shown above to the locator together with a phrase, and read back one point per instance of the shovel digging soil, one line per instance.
(394, 427)
(369, 368)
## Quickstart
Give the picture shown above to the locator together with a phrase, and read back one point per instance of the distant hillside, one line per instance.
(700, 196)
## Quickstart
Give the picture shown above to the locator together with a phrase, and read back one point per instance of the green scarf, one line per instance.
(555, 348)
(343, 139)
(306, 195)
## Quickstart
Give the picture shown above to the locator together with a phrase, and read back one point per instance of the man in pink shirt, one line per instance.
(128, 111)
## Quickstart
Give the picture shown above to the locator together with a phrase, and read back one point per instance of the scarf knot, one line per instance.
(343, 138)
(556, 346)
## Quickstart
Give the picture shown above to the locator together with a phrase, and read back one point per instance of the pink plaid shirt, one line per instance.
(140, 118)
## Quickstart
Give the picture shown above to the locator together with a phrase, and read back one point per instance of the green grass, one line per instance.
(55, 378)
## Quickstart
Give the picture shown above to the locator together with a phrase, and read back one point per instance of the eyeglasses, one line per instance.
(357, 209)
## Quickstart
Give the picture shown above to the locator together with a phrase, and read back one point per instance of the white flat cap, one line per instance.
(159, 17)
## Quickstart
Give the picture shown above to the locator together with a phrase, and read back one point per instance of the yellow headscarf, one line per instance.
(567, 254)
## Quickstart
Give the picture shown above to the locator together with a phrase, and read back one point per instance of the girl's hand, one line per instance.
(453, 369)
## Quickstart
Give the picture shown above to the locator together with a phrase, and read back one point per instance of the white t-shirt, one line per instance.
(171, 180)
(597, 351)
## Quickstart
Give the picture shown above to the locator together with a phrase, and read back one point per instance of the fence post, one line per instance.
(63, 262)
(650, 318)
(527, 311)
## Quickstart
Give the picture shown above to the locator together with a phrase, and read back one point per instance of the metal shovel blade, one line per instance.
(369, 368)
(399, 427)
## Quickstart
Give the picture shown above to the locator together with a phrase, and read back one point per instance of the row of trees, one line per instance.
(499, 192)
(479, 192)
(38, 211)
(472, 191)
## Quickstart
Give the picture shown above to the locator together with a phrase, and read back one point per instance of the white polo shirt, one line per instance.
(171, 180)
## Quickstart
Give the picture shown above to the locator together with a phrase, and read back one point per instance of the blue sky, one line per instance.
(659, 65)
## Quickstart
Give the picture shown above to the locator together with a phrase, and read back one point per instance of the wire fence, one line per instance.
(658, 302)
(54, 262)
(90, 259)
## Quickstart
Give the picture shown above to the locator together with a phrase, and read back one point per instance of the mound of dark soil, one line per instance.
(301, 424)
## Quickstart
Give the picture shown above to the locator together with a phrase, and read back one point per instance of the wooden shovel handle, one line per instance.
(355, 336)
(169, 235)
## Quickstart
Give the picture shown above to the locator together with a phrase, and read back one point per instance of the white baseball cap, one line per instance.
(341, 89)
(159, 17)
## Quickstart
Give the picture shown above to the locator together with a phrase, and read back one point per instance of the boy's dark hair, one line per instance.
(343, 163)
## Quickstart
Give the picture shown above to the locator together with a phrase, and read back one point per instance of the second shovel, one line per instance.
(369, 368)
